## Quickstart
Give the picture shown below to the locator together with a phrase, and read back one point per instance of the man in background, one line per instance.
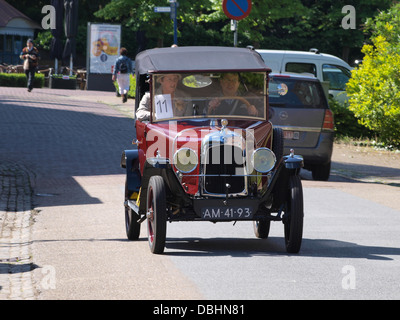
(30, 55)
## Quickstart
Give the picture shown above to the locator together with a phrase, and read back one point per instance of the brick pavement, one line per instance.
(16, 214)
(36, 131)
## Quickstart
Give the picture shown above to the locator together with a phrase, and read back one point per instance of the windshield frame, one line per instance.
(261, 97)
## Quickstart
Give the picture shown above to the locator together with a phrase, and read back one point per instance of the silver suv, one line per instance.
(299, 106)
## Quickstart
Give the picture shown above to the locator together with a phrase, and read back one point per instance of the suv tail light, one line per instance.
(328, 121)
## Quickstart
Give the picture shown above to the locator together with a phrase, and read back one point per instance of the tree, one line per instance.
(204, 17)
(374, 89)
(320, 26)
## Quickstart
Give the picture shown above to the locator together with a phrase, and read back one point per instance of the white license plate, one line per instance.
(291, 135)
(227, 213)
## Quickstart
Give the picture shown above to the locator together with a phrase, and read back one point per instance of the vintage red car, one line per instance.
(205, 149)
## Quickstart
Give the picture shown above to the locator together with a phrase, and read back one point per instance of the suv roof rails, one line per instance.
(315, 50)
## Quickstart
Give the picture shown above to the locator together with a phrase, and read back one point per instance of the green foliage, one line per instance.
(285, 24)
(43, 40)
(346, 124)
(374, 89)
(19, 80)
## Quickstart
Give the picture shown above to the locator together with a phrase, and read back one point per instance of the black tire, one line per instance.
(156, 214)
(277, 143)
(293, 221)
(321, 172)
(132, 227)
(261, 228)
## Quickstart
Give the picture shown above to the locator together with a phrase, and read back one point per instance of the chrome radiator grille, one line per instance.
(224, 165)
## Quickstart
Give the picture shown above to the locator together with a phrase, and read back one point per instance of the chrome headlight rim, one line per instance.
(177, 163)
(256, 154)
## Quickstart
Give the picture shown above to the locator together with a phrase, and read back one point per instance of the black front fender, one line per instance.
(130, 161)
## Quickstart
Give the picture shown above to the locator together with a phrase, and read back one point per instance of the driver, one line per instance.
(169, 83)
(229, 103)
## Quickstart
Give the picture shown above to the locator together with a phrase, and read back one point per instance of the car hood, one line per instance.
(177, 134)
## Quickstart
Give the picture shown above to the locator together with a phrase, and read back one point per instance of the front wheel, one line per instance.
(294, 215)
(156, 214)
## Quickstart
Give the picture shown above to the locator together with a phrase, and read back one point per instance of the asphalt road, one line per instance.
(71, 144)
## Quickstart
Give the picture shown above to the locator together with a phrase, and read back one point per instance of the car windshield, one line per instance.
(214, 95)
(295, 93)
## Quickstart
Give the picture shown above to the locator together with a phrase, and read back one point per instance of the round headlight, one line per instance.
(263, 160)
(185, 160)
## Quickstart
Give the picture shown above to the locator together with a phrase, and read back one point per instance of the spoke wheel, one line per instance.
(156, 214)
(294, 215)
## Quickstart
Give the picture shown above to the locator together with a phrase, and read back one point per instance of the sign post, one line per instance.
(236, 10)
(172, 9)
(174, 5)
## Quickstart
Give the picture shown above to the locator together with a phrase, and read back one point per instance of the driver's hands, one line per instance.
(252, 110)
(213, 105)
(179, 107)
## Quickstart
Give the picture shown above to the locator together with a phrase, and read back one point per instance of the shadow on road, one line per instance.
(360, 173)
(58, 141)
(15, 267)
(274, 246)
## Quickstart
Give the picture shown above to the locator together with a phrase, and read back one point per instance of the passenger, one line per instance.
(229, 103)
(169, 83)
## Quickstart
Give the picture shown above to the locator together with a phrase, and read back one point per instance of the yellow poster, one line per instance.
(104, 46)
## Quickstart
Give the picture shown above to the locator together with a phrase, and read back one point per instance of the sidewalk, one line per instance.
(16, 217)
(17, 212)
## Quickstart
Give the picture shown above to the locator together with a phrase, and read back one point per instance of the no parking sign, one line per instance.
(236, 9)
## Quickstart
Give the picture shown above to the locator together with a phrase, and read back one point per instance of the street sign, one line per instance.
(236, 9)
(173, 5)
(162, 9)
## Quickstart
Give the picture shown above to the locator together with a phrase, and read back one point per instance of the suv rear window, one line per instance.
(299, 67)
(296, 93)
(336, 75)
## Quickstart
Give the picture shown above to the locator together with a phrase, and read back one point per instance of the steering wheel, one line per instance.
(247, 103)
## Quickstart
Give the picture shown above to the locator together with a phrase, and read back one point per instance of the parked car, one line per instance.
(212, 163)
(325, 67)
(299, 107)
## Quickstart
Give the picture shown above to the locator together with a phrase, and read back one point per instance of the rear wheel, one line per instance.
(294, 215)
(261, 228)
(156, 214)
(132, 227)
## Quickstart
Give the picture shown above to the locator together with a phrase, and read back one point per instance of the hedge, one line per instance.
(19, 80)
(346, 124)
